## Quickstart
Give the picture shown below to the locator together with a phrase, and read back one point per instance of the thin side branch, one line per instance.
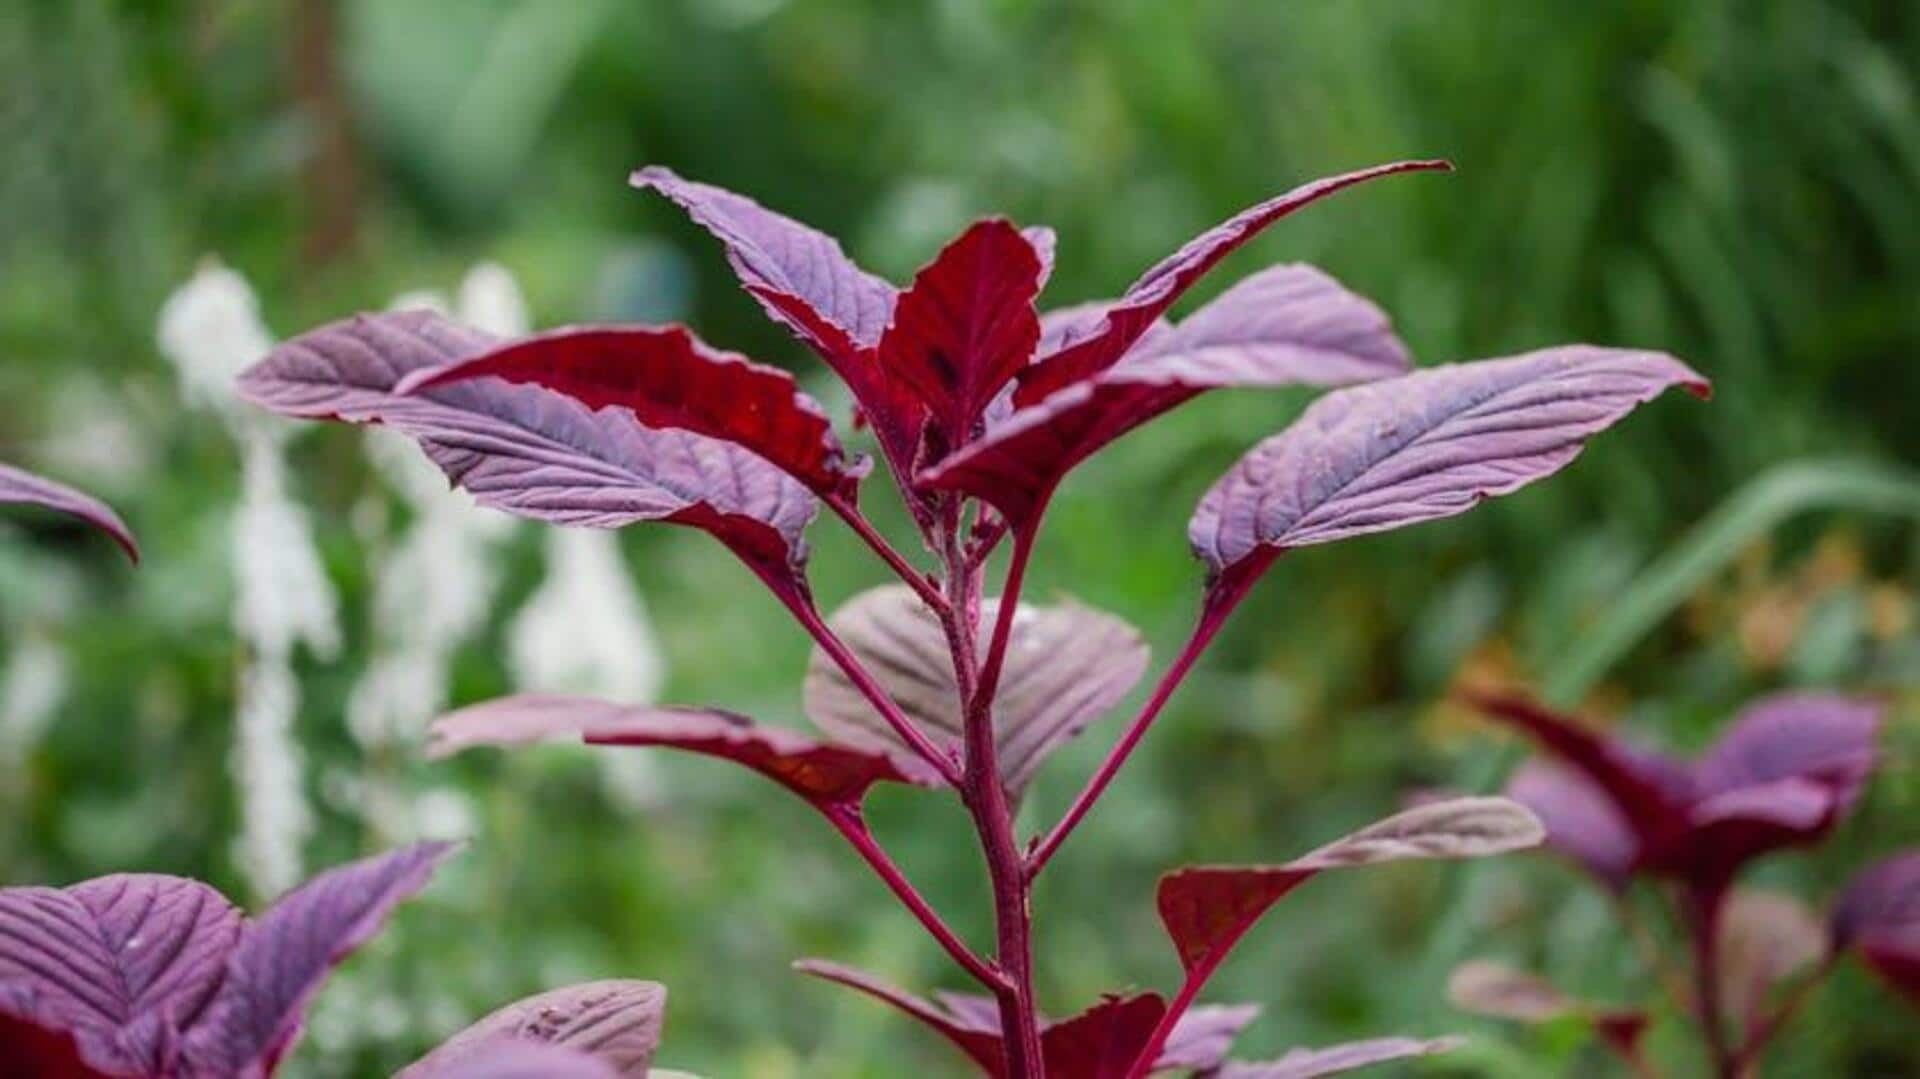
(906, 571)
(851, 824)
(856, 673)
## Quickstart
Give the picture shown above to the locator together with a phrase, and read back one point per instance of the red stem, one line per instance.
(990, 668)
(852, 824)
(986, 799)
(1702, 903)
(1224, 595)
(895, 561)
(803, 609)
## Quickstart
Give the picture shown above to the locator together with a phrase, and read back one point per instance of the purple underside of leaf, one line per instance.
(103, 956)
(1820, 737)
(823, 773)
(616, 1023)
(20, 487)
(1581, 820)
(1308, 1063)
(1147, 299)
(284, 956)
(1288, 325)
(530, 451)
(668, 378)
(1878, 916)
(967, 325)
(1428, 445)
(513, 1059)
(1066, 665)
(1207, 909)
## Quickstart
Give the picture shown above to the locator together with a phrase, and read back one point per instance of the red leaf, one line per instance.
(1207, 909)
(1103, 1041)
(822, 773)
(1425, 446)
(1878, 916)
(668, 378)
(36, 1046)
(19, 486)
(1289, 325)
(1156, 290)
(532, 452)
(967, 326)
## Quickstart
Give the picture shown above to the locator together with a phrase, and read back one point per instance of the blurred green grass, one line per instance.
(1729, 180)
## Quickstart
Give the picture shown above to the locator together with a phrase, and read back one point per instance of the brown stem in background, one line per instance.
(330, 172)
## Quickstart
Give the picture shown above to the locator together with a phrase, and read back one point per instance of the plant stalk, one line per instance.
(1703, 903)
(851, 824)
(889, 554)
(986, 799)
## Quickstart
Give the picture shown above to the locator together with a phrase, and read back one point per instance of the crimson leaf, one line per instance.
(284, 956)
(19, 486)
(1309, 1063)
(616, 1023)
(1101, 1042)
(1878, 916)
(36, 1045)
(1288, 325)
(1148, 298)
(669, 378)
(967, 326)
(1425, 446)
(532, 452)
(1207, 909)
(825, 774)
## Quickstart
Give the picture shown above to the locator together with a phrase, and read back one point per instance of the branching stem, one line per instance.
(852, 824)
(889, 554)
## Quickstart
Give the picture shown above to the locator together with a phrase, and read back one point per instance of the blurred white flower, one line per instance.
(31, 688)
(211, 330)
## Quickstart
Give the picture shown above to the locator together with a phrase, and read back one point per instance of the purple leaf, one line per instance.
(1786, 772)
(967, 326)
(1156, 290)
(1582, 821)
(1308, 1063)
(1289, 325)
(1824, 738)
(284, 956)
(807, 284)
(108, 957)
(1203, 1036)
(670, 379)
(616, 1023)
(1425, 446)
(1483, 987)
(777, 257)
(19, 486)
(1207, 909)
(1065, 666)
(1878, 917)
(823, 773)
(510, 1058)
(532, 452)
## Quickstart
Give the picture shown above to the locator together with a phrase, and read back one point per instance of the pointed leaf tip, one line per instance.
(20, 487)
(1425, 446)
